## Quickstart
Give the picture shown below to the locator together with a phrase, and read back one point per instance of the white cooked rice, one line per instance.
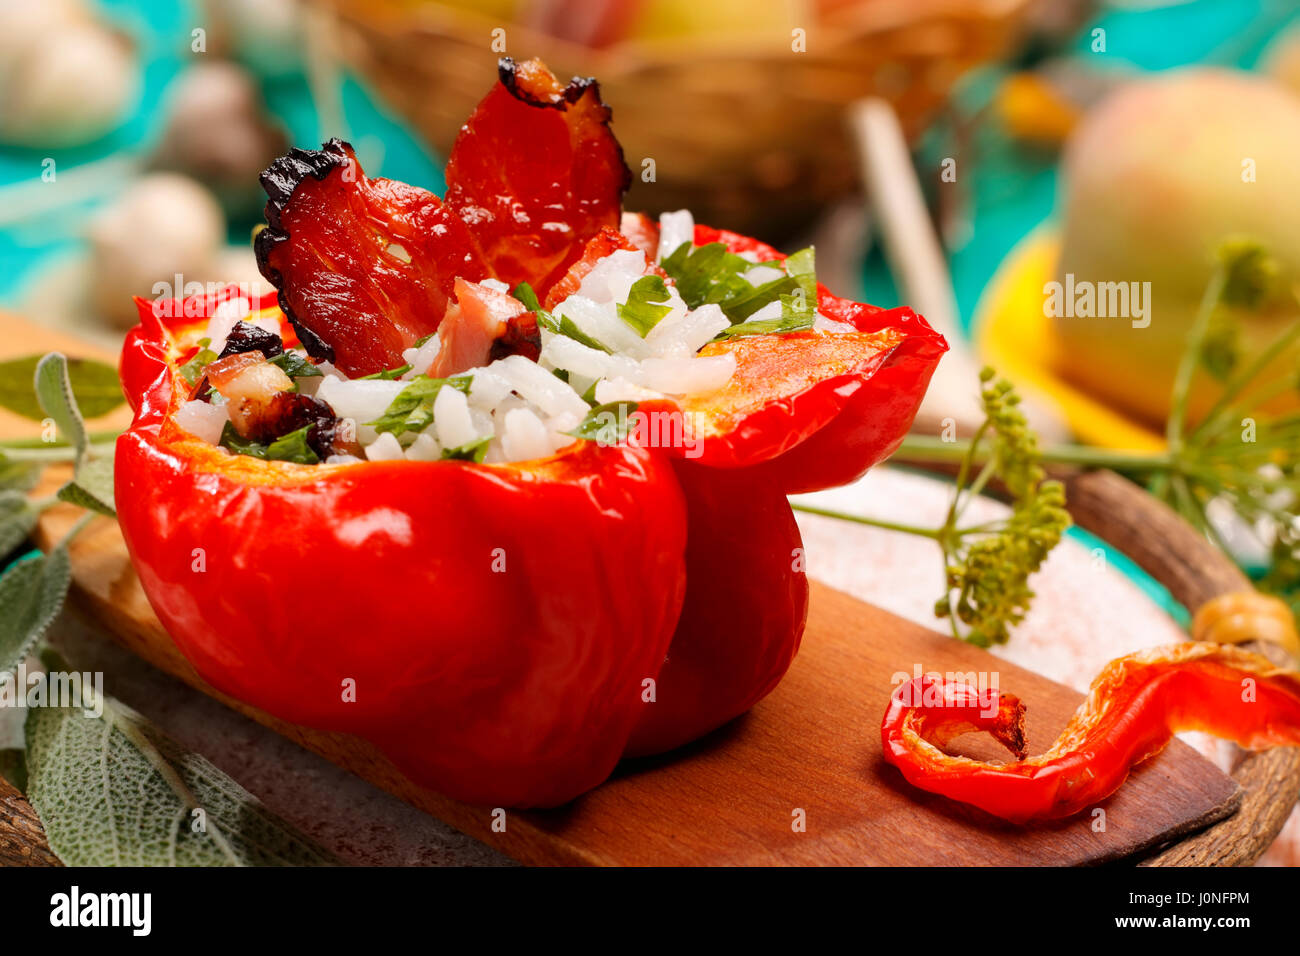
(451, 420)
(203, 420)
(385, 448)
(674, 229)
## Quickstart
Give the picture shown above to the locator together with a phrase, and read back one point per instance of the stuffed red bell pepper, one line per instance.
(497, 481)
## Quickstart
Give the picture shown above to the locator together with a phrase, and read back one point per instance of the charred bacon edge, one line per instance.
(508, 73)
(281, 180)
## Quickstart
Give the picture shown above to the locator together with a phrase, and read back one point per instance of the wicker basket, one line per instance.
(748, 136)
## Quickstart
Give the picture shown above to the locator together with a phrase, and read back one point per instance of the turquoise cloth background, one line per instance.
(161, 29)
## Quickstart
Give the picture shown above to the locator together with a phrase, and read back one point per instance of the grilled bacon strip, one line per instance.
(536, 172)
(364, 267)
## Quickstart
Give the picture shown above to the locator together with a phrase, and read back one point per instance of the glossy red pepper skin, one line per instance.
(1135, 705)
(496, 622)
(833, 431)
(744, 614)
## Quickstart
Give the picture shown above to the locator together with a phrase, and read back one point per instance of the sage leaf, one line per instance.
(17, 519)
(32, 592)
(92, 484)
(113, 790)
(96, 384)
(18, 475)
(92, 487)
(54, 392)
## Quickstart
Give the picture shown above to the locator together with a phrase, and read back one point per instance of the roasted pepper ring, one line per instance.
(1133, 708)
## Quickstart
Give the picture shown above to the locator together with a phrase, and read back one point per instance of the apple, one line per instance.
(1155, 178)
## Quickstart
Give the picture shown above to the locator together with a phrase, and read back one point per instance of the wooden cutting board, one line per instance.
(809, 753)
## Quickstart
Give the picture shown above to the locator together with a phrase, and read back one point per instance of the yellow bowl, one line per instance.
(1014, 335)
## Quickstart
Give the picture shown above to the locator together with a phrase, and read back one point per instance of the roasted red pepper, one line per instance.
(1135, 705)
(504, 633)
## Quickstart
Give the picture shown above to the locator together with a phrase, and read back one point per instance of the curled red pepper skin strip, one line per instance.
(1135, 705)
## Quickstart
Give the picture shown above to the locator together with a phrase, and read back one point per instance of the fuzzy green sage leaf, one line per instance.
(32, 592)
(159, 805)
(96, 384)
(17, 519)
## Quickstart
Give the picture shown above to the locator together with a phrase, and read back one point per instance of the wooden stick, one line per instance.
(22, 839)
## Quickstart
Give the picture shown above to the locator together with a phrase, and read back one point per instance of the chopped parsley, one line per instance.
(607, 424)
(712, 274)
(295, 365)
(560, 325)
(192, 370)
(646, 304)
(291, 447)
(387, 374)
(412, 409)
(765, 327)
(474, 451)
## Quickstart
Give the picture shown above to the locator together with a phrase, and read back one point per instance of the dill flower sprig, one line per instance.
(988, 565)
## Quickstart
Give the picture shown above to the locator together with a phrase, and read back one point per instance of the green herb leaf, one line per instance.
(474, 451)
(387, 374)
(642, 311)
(802, 267)
(557, 326)
(17, 519)
(92, 484)
(54, 393)
(292, 447)
(159, 805)
(566, 327)
(96, 383)
(607, 424)
(32, 592)
(92, 487)
(787, 323)
(295, 365)
(708, 273)
(711, 274)
(525, 294)
(412, 409)
(18, 475)
(235, 442)
(193, 370)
